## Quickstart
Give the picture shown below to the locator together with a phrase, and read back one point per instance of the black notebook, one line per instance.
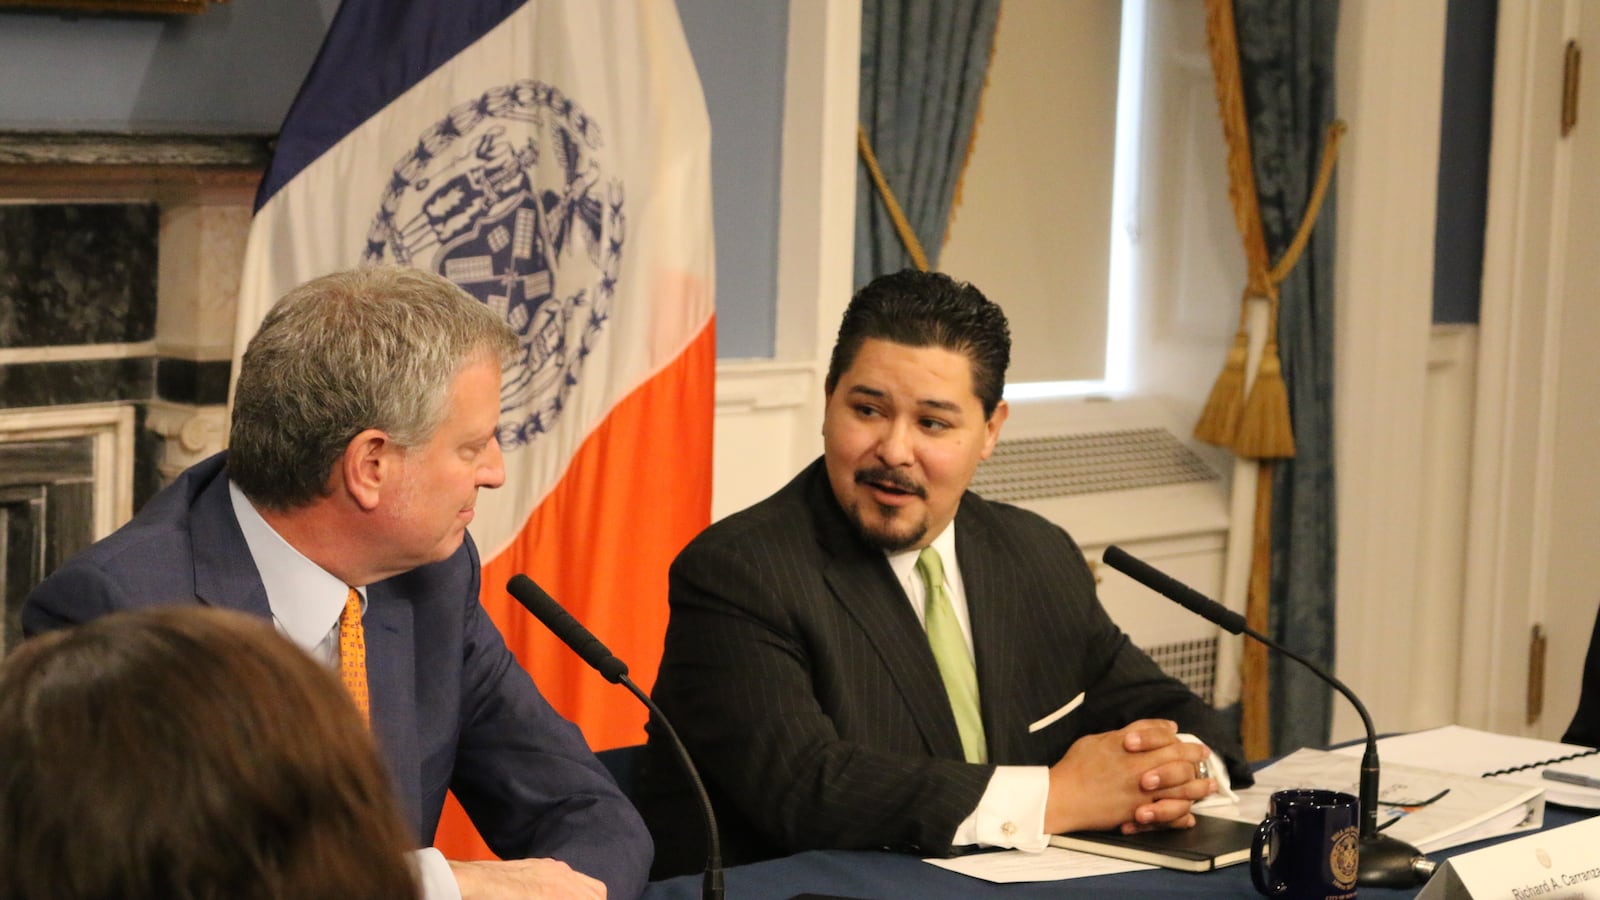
(1211, 844)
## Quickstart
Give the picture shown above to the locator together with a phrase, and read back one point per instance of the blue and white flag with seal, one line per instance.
(552, 157)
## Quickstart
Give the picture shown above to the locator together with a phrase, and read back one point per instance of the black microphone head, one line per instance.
(564, 626)
(530, 594)
(1173, 589)
(1113, 556)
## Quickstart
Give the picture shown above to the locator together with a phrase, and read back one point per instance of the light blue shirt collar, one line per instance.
(305, 598)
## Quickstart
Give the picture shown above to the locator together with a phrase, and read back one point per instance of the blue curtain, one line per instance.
(1286, 61)
(922, 70)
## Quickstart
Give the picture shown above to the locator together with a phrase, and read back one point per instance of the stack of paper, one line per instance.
(1504, 757)
(1427, 808)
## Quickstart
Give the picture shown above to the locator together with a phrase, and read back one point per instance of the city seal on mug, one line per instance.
(1308, 847)
(1345, 858)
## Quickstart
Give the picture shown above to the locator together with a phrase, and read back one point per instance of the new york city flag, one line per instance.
(552, 157)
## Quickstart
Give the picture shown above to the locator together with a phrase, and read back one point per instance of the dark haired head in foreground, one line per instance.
(188, 753)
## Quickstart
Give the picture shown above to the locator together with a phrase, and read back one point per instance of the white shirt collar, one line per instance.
(305, 598)
(904, 565)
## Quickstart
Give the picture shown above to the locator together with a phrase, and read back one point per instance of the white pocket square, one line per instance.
(1051, 719)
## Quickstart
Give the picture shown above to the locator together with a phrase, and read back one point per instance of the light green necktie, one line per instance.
(950, 652)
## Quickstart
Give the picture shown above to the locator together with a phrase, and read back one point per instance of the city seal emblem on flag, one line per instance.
(507, 196)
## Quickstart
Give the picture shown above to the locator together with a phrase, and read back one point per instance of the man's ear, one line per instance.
(991, 427)
(366, 466)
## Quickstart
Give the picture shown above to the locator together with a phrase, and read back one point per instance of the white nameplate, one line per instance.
(1548, 865)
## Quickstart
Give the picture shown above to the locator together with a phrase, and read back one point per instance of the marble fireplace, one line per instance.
(119, 271)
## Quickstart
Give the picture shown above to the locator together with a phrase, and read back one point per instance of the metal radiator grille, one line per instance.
(1061, 465)
(1192, 662)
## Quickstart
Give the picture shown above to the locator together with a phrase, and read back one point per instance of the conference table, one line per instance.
(873, 875)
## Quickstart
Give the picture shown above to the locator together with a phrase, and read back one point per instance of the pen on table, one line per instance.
(1587, 781)
(1414, 804)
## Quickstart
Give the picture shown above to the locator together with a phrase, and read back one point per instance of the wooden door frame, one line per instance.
(1509, 512)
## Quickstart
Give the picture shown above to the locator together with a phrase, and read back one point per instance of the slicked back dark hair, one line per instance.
(928, 309)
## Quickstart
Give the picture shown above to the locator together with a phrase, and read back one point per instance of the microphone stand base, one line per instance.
(1390, 863)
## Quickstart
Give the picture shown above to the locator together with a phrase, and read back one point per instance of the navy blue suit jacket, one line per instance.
(451, 708)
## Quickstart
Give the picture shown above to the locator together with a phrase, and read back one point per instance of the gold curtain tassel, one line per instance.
(1219, 420)
(1265, 429)
(1225, 412)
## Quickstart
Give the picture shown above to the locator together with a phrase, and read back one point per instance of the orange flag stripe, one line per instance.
(637, 490)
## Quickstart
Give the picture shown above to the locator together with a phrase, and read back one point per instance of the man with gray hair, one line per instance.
(364, 424)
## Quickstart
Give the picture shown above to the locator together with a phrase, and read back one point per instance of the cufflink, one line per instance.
(1009, 829)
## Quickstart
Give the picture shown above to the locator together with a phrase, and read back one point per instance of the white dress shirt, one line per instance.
(1011, 811)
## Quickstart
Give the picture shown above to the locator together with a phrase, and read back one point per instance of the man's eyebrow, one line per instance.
(948, 406)
(942, 405)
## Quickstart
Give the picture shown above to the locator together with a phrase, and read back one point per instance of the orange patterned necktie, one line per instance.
(353, 653)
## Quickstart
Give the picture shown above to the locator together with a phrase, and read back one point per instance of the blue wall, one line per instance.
(236, 68)
(233, 69)
(740, 49)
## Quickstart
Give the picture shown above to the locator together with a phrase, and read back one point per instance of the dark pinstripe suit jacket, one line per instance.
(1585, 727)
(802, 682)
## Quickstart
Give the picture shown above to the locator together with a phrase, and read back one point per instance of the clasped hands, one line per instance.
(1136, 778)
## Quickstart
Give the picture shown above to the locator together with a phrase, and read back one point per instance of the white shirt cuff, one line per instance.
(1011, 811)
(1219, 771)
(433, 873)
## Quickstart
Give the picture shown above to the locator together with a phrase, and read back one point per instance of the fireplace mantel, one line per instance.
(65, 165)
(203, 186)
(95, 359)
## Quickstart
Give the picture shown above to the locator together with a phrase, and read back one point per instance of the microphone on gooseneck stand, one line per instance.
(588, 647)
(1384, 861)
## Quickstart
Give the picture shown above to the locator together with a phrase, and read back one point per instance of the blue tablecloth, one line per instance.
(888, 876)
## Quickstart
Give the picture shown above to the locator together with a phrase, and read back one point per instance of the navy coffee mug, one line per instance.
(1308, 846)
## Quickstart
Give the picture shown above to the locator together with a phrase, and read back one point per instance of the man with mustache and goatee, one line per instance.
(875, 658)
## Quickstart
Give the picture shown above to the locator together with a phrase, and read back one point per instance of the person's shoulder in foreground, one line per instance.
(365, 424)
(796, 662)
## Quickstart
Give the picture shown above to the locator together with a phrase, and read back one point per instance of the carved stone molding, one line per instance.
(51, 165)
(191, 434)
